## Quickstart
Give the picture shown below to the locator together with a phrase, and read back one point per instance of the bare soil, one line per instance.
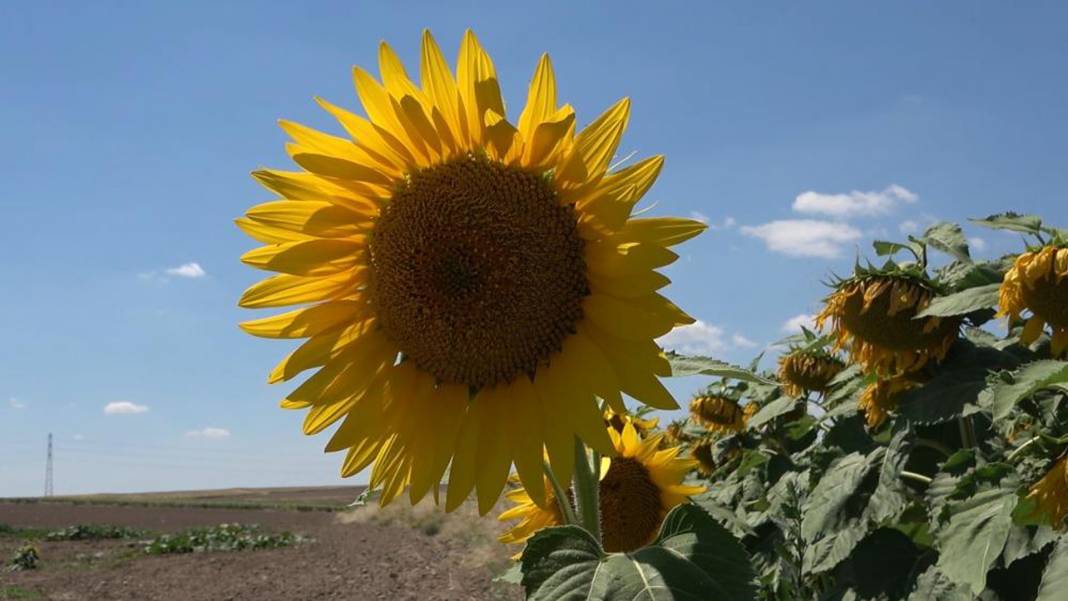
(397, 553)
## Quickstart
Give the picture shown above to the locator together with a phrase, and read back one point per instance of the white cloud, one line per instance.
(804, 237)
(727, 223)
(855, 203)
(794, 324)
(188, 270)
(698, 338)
(209, 432)
(908, 226)
(124, 408)
(977, 244)
(743, 342)
(699, 216)
(15, 403)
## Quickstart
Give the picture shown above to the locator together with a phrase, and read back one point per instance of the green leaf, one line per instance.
(958, 383)
(683, 365)
(831, 550)
(825, 509)
(884, 248)
(691, 532)
(1028, 224)
(963, 302)
(1002, 395)
(779, 406)
(693, 558)
(1055, 577)
(933, 585)
(948, 238)
(889, 498)
(974, 537)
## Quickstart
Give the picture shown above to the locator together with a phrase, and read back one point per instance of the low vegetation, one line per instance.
(224, 537)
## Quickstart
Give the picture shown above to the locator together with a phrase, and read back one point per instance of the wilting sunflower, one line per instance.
(873, 316)
(1038, 281)
(803, 372)
(1050, 494)
(472, 284)
(881, 397)
(717, 413)
(701, 452)
(638, 488)
(617, 421)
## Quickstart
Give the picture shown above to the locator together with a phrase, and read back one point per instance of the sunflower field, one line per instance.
(477, 297)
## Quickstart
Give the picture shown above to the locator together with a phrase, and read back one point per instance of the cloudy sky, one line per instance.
(798, 131)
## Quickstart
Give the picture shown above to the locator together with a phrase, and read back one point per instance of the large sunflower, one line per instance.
(802, 372)
(875, 318)
(718, 413)
(471, 284)
(617, 421)
(1038, 281)
(639, 487)
(1050, 494)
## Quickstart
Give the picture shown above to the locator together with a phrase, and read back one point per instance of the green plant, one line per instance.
(224, 537)
(26, 558)
(13, 593)
(94, 532)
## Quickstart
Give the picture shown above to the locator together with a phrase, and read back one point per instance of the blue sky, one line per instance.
(800, 131)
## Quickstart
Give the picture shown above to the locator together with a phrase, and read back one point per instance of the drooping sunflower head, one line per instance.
(637, 489)
(880, 398)
(718, 413)
(1050, 495)
(874, 317)
(618, 421)
(701, 452)
(463, 276)
(1038, 282)
(803, 372)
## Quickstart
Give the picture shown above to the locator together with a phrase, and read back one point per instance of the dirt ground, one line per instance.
(399, 553)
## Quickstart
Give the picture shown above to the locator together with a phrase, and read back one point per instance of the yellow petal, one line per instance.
(549, 138)
(495, 448)
(303, 323)
(307, 257)
(595, 146)
(315, 218)
(284, 289)
(268, 234)
(330, 166)
(462, 473)
(1032, 330)
(477, 82)
(527, 436)
(541, 98)
(613, 259)
(614, 198)
(627, 319)
(317, 350)
(664, 231)
(394, 76)
(388, 152)
(439, 84)
(639, 284)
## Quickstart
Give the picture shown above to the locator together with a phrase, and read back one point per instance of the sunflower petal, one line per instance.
(284, 289)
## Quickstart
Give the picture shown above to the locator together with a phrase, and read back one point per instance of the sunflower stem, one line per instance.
(586, 492)
(561, 496)
(967, 432)
(934, 444)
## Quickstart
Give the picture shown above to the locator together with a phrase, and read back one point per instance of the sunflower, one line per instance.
(1038, 281)
(470, 285)
(802, 372)
(617, 421)
(874, 316)
(701, 452)
(637, 489)
(720, 414)
(881, 397)
(1050, 494)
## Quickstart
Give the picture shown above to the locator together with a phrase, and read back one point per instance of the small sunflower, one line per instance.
(881, 397)
(1038, 281)
(617, 421)
(471, 285)
(803, 372)
(638, 488)
(1050, 494)
(701, 452)
(718, 413)
(873, 316)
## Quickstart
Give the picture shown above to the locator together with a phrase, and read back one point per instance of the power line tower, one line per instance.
(48, 469)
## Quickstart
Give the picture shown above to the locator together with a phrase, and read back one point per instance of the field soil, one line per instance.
(397, 553)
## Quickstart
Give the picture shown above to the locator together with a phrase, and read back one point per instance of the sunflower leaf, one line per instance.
(1028, 224)
(1055, 576)
(694, 557)
(948, 238)
(963, 302)
(683, 365)
(1002, 395)
(974, 537)
(779, 406)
